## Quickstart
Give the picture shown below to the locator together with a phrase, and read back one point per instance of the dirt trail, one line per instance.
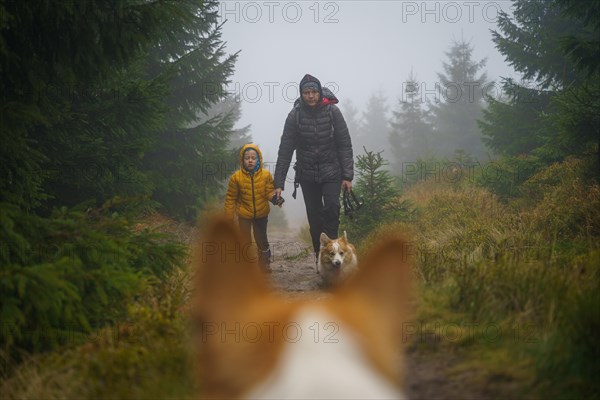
(293, 266)
(429, 373)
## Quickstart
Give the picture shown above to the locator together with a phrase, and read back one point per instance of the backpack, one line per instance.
(327, 94)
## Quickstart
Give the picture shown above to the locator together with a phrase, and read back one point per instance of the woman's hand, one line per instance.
(347, 185)
(277, 192)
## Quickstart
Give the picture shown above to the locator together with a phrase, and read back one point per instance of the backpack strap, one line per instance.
(329, 111)
(330, 119)
(297, 109)
(296, 183)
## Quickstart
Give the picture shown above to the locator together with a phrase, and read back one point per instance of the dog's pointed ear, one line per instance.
(226, 268)
(384, 279)
(324, 239)
(345, 236)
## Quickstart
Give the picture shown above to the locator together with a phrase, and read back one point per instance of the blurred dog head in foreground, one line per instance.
(256, 343)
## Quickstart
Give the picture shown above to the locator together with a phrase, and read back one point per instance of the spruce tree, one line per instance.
(551, 44)
(239, 136)
(517, 125)
(354, 123)
(376, 188)
(461, 90)
(110, 87)
(66, 89)
(89, 92)
(583, 47)
(186, 162)
(374, 129)
(187, 159)
(411, 133)
(531, 41)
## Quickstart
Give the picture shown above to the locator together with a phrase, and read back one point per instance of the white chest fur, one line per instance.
(322, 360)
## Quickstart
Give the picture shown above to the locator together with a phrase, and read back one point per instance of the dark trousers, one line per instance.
(259, 229)
(322, 202)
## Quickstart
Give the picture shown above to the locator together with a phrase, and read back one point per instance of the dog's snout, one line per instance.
(337, 263)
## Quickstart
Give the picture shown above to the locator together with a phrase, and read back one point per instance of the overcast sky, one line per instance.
(354, 47)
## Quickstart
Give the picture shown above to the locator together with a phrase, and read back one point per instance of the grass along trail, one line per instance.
(151, 358)
(434, 370)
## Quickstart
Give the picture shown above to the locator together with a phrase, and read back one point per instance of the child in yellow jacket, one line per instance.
(248, 195)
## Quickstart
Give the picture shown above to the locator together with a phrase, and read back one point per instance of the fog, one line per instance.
(356, 48)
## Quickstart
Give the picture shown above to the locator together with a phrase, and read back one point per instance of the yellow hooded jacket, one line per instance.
(248, 195)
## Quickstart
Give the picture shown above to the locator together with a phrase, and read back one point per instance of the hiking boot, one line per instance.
(265, 260)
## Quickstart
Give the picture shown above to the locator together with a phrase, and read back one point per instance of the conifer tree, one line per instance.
(186, 159)
(582, 47)
(411, 133)
(461, 102)
(89, 92)
(376, 188)
(111, 87)
(374, 128)
(551, 43)
(354, 122)
(239, 136)
(66, 88)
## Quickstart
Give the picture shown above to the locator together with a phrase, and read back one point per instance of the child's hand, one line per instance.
(277, 201)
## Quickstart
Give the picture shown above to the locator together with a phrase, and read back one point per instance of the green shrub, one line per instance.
(532, 263)
(569, 355)
(504, 176)
(565, 201)
(63, 276)
(147, 354)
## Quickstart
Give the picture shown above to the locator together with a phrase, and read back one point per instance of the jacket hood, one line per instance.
(327, 96)
(255, 148)
(309, 78)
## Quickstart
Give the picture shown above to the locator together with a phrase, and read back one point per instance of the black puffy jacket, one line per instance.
(320, 137)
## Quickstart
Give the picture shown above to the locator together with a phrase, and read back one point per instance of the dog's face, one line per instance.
(256, 343)
(336, 252)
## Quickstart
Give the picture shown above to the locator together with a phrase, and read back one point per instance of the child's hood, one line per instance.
(253, 147)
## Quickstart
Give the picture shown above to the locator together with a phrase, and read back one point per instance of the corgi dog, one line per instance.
(256, 343)
(336, 260)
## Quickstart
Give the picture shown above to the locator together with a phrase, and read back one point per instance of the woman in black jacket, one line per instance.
(316, 130)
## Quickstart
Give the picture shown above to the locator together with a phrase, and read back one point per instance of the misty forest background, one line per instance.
(116, 129)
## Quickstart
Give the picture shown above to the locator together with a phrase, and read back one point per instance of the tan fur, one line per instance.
(231, 290)
(336, 249)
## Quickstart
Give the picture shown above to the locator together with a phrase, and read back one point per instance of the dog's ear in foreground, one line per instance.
(253, 342)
